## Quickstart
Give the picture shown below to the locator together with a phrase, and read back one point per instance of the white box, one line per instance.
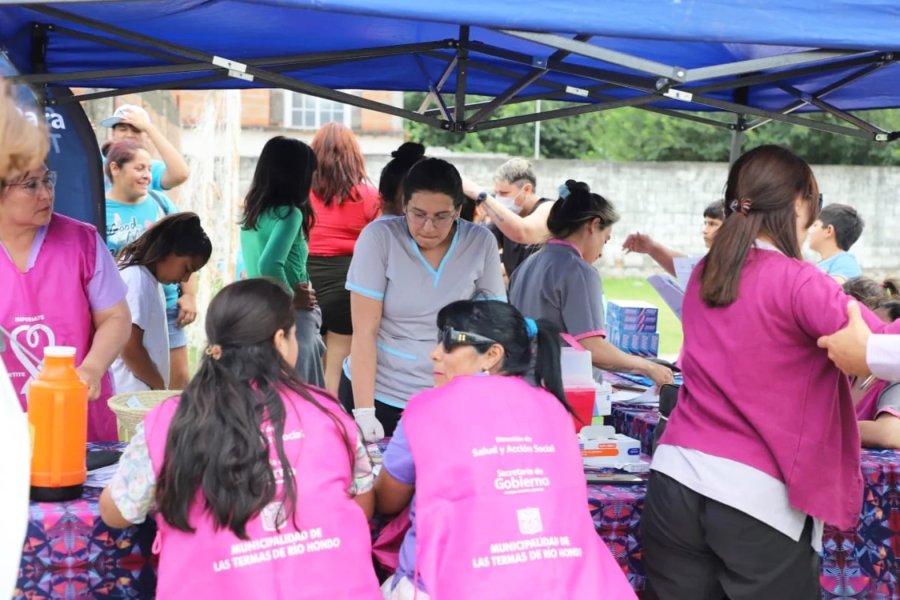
(601, 446)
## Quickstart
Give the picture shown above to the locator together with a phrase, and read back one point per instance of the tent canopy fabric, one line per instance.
(761, 60)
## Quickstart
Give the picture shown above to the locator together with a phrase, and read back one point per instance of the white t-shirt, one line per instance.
(148, 311)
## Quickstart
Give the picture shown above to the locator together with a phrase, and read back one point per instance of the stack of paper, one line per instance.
(100, 478)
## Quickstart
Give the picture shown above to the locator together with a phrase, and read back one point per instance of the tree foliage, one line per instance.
(632, 134)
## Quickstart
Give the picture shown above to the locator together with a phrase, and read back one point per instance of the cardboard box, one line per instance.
(631, 316)
(601, 446)
(641, 344)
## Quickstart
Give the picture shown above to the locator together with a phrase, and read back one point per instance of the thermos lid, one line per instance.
(59, 351)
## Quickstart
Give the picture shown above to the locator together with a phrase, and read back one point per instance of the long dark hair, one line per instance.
(180, 234)
(503, 323)
(341, 164)
(281, 181)
(215, 444)
(393, 174)
(576, 206)
(762, 187)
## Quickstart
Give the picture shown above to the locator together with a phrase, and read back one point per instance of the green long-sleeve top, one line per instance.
(277, 247)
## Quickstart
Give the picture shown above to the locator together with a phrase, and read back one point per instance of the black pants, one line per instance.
(698, 549)
(388, 415)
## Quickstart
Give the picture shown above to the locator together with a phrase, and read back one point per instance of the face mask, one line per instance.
(509, 202)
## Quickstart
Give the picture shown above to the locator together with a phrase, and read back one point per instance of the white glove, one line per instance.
(371, 428)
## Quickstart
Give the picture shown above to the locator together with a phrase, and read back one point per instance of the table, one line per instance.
(69, 552)
(863, 563)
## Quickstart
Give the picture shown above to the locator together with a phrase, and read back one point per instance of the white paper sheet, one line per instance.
(669, 290)
(684, 265)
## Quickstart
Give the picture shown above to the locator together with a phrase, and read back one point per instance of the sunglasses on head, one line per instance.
(450, 338)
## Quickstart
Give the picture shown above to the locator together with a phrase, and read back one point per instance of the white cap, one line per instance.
(59, 351)
(119, 115)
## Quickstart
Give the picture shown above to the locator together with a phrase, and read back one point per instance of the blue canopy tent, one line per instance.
(758, 60)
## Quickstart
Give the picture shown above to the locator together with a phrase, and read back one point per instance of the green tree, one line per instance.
(631, 134)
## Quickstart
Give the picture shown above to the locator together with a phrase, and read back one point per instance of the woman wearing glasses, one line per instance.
(499, 500)
(403, 270)
(46, 258)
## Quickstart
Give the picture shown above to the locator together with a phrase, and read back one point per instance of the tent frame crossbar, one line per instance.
(647, 82)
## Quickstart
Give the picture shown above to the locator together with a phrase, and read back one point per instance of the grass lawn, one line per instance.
(635, 288)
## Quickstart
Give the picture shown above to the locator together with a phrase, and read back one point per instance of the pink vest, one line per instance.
(327, 555)
(500, 496)
(48, 306)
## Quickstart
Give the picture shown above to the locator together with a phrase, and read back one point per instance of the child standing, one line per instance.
(831, 235)
(261, 484)
(167, 253)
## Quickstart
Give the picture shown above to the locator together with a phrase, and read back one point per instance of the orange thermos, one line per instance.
(57, 412)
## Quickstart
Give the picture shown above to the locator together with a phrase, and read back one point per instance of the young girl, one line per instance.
(274, 233)
(261, 483)
(133, 206)
(492, 493)
(763, 446)
(167, 253)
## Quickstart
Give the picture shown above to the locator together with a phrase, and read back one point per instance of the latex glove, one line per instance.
(371, 428)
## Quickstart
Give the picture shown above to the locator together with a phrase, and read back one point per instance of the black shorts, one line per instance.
(328, 275)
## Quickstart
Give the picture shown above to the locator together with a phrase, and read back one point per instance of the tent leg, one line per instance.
(737, 140)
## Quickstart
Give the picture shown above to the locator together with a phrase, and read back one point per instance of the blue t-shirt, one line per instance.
(126, 222)
(157, 170)
(842, 264)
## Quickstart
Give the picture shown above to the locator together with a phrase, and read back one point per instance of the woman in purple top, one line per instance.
(763, 446)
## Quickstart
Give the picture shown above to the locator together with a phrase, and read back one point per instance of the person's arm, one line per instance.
(492, 281)
(365, 314)
(391, 496)
(128, 498)
(530, 229)
(187, 302)
(177, 170)
(110, 513)
(363, 480)
(139, 362)
(606, 356)
(366, 502)
(883, 432)
(112, 328)
(275, 252)
(661, 255)
(879, 353)
(396, 483)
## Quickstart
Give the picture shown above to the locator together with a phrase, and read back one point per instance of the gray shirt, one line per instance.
(557, 284)
(388, 266)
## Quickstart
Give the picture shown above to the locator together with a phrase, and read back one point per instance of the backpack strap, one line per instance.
(159, 201)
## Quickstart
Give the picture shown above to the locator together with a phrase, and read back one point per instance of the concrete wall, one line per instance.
(667, 200)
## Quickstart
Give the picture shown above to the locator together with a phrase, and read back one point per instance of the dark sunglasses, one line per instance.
(451, 338)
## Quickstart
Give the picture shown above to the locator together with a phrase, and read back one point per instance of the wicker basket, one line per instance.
(131, 407)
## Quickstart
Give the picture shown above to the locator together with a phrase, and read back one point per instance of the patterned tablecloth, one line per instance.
(69, 553)
(863, 563)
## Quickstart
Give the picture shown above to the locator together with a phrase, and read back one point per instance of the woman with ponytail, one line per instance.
(763, 446)
(469, 474)
(559, 283)
(256, 476)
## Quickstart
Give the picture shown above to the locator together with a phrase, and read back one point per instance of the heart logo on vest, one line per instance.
(33, 335)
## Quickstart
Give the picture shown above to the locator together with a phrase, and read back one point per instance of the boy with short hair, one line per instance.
(833, 233)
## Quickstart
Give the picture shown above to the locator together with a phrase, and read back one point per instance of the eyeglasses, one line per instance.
(32, 186)
(419, 218)
(451, 338)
